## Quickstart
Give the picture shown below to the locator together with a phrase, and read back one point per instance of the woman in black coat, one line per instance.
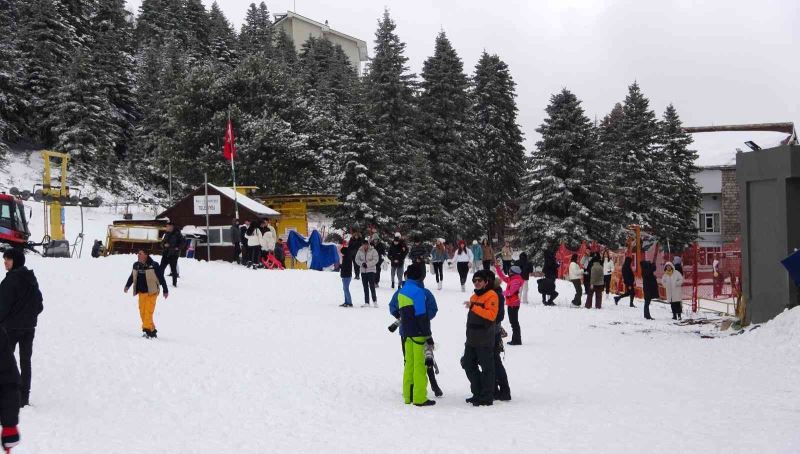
(649, 286)
(547, 284)
(629, 280)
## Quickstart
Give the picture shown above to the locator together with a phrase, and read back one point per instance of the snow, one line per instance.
(264, 361)
(246, 202)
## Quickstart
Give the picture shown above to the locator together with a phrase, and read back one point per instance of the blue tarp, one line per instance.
(792, 264)
(322, 255)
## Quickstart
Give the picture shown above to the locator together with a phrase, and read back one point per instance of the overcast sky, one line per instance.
(718, 61)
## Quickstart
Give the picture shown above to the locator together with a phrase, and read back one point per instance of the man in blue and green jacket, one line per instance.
(415, 306)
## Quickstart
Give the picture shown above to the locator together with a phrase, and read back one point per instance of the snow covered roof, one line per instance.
(247, 202)
(719, 149)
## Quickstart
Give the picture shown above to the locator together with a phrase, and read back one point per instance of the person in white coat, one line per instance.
(463, 258)
(268, 236)
(672, 281)
(367, 258)
(608, 270)
(253, 237)
(575, 275)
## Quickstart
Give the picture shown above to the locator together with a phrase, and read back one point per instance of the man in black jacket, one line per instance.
(397, 258)
(352, 248)
(172, 244)
(418, 254)
(236, 239)
(20, 306)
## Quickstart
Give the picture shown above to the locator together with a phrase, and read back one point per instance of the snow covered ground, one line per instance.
(264, 361)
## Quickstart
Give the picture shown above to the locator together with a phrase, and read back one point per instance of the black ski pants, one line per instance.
(607, 283)
(647, 307)
(630, 290)
(237, 252)
(378, 273)
(578, 292)
(513, 318)
(438, 270)
(172, 261)
(478, 363)
(23, 338)
(487, 265)
(501, 377)
(368, 282)
(463, 271)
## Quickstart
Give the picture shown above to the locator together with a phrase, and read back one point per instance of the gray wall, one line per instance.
(769, 185)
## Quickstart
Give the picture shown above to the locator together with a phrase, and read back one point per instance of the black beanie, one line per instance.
(415, 272)
(17, 255)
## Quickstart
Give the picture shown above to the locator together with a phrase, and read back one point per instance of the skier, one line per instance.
(346, 273)
(514, 285)
(527, 269)
(502, 390)
(547, 284)
(381, 249)
(367, 259)
(507, 255)
(415, 306)
(477, 256)
(629, 279)
(672, 281)
(595, 282)
(649, 286)
(20, 306)
(397, 257)
(253, 239)
(575, 277)
(487, 254)
(463, 258)
(145, 279)
(478, 359)
(608, 270)
(438, 257)
(236, 239)
(172, 244)
(9, 394)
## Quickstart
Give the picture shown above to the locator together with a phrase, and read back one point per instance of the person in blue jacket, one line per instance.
(414, 306)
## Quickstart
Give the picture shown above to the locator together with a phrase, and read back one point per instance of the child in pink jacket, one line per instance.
(514, 285)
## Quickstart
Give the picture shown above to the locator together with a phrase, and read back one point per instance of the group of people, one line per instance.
(256, 244)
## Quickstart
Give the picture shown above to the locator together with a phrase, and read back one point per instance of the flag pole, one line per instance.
(233, 168)
(208, 236)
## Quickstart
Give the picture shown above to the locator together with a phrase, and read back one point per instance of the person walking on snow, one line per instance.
(527, 269)
(477, 256)
(478, 358)
(172, 244)
(629, 279)
(397, 258)
(354, 245)
(596, 282)
(547, 284)
(672, 281)
(514, 285)
(415, 307)
(463, 258)
(245, 260)
(145, 279)
(346, 273)
(608, 270)
(574, 276)
(649, 286)
(367, 259)
(507, 255)
(502, 390)
(438, 257)
(487, 254)
(20, 306)
(381, 249)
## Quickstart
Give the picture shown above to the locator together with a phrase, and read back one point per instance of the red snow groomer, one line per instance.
(13, 225)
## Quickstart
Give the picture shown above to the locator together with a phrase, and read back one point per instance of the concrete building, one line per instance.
(718, 219)
(299, 28)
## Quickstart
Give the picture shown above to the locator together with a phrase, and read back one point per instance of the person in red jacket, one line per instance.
(514, 284)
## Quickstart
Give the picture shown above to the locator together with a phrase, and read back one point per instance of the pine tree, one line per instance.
(499, 140)
(12, 101)
(256, 35)
(390, 96)
(158, 21)
(422, 214)
(284, 50)
(198, 29)
(558, 205)
(683, 196)
(445, 123)
(222, 38)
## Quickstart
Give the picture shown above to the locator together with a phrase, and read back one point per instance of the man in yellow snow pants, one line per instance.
(147, 306)
(145, 280)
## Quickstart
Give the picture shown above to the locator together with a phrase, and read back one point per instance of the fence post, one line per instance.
(695, 278)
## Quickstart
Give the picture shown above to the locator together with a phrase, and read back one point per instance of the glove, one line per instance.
(10, 437)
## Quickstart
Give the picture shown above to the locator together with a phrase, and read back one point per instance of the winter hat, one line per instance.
(415, 272)
(474, 241)
(516, 270)
(397, 234)
(17, 256)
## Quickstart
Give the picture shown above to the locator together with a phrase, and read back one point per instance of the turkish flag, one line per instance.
(229, 151)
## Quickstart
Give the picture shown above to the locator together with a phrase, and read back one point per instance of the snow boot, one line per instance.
(503, 396)
(633, 306)
(427, 403)
(481, 403)
(439, 284)
(470, 400)
(154, 334)
(616, 300)
(437, 391)
(392, 284)
(375, 304)
(366, 304)
(345, 305)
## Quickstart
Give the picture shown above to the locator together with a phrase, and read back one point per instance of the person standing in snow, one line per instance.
(595, 281)
(477, 256)
(346, 273)
(236, 239)
(514, 285)
(649, 286)
(397, 258)
(672, 281)
(243, 243)
(280, 252)
(463, 258)
(719, 279)
(172, 244)
(629, 279)
(418, 254)
(98, 249)
(527, 269)
(354, 245)
(586, 263)
(608, 270)
(487, 254)
(438, 257)
(20, 306)
(574, 276)
(267, 239)
(253, 238)
(478, 358)
(145, 279)
(381, 249)
(503, 390)
(367, 260)
(547, 284)
(415, 306)
(507, 256)
(9, 394)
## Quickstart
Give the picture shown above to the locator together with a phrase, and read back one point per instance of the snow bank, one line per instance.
(782, 331)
